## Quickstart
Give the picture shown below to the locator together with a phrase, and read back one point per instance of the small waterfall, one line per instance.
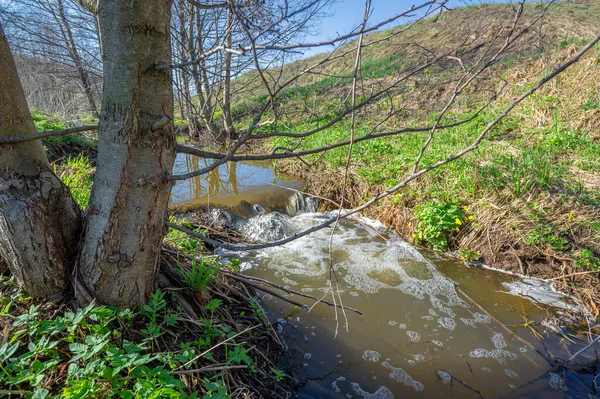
(298, 204)
(268, 227)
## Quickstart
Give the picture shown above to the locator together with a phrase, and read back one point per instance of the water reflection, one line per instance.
(227, 185)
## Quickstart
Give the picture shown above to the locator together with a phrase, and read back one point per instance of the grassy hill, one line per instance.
(527, 200)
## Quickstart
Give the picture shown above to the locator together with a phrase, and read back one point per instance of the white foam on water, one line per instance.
(334, 384)
(498, 341)
(482, 318)
(510, 373)
(401, 376)
(499, 354)
(382, 393)
(557, 383)
(402, 326)
(268, 227)
(414, 336)
(469, 322)
(289, 281)
(371, 356)
(444, 376)
(363, 260)
(447, 323)
(438, 343)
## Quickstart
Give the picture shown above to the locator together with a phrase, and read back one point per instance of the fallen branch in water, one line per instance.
(244, 279)
(275, 294)
(579, 352)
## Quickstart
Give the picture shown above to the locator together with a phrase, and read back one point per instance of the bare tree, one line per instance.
(62, 39)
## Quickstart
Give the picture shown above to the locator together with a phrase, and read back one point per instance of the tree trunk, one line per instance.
(184, 40)
(40, 224)
(128, 207)
(201, 83)
(226, 106)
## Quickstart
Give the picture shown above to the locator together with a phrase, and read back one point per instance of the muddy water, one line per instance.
(431, 327)
(227, 185)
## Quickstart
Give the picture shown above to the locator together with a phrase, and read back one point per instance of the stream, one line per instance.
(431, 327)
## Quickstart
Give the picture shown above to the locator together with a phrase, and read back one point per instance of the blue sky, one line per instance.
(344, 15)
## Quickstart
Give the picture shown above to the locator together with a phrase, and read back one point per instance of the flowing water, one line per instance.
(431, 327)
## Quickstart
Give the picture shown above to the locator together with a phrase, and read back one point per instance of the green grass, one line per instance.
(76, 173)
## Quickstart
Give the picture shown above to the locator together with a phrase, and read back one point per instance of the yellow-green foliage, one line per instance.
(77, 174)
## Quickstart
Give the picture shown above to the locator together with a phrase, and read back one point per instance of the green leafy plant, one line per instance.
(85, 352)
(468, 255)
(277, 374)
(235, 264)
(436, 222)
(201, 275)
(587, 259)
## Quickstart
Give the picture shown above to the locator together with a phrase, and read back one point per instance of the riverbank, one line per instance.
(204, 333)
(527, 201)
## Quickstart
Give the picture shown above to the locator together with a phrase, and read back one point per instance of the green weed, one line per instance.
(77, 174)
(586, 259)
(84, 350)
(437, 221)
(201, 275)
(468, 255)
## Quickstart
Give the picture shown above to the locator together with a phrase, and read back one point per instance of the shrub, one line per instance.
(436, 222)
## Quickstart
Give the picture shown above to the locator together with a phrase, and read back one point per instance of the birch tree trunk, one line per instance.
(40, 224)
(128, 207)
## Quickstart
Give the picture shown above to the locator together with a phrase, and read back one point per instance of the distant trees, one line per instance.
(58, 52)
(211, 43)
(116, 258)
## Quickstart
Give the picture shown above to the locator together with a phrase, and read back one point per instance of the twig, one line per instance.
(244, 279)
(579, 352)
(574, 274)
(209, 368)
(47, 133)
(275, 294)
(217, 345)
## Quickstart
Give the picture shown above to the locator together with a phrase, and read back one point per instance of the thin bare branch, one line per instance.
(48, 133)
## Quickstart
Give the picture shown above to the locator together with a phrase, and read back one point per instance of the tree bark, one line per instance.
(226, 105)
(128, 207)
(40, 223)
